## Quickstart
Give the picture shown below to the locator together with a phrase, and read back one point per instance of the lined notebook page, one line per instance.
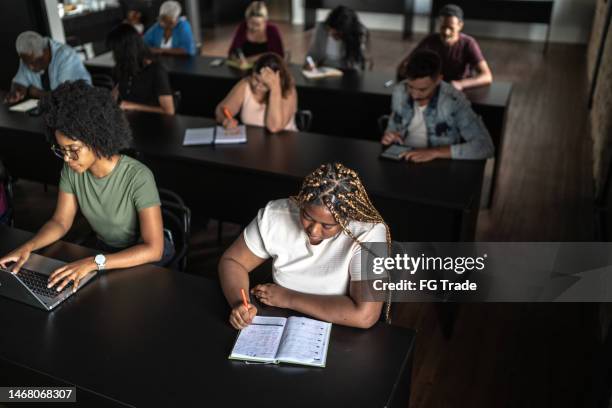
(260, 339)
(305, 341)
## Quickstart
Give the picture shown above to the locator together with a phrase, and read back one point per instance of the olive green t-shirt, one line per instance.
(111, 203)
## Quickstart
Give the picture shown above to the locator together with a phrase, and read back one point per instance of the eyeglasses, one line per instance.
(73, 154)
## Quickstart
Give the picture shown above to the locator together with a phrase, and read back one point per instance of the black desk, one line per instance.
(436, 201)
(348, 106)
(150, 337)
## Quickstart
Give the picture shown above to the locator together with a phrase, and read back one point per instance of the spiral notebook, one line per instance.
(214, 135)
(293, 340)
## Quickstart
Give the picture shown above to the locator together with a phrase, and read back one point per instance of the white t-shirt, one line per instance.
(166, 44)
(417, 131)
(323, 269)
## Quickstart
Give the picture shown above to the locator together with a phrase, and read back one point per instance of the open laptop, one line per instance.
(29, 285)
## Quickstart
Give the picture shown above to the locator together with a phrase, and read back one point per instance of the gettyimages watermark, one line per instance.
(487, 272)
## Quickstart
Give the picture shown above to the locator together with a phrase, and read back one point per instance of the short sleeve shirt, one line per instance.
(323, 269)
(111, 203)
(458, 60)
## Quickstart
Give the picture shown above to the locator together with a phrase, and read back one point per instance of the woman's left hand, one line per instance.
(74, 271)
(272, 294)
(270, 78)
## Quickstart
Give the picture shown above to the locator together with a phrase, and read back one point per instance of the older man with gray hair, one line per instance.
(44, 65)
(172, 33)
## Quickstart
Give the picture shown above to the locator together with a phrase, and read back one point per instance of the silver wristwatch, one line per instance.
(100, 261)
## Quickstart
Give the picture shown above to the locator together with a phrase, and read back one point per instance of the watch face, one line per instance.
(100, 259)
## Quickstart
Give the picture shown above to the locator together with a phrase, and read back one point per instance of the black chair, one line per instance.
(5, 180)
(303, 120)
(383, 121)
(103, 81)
(177, 96)
(177, 220)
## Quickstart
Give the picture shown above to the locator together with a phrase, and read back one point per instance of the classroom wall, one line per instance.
(572, 21)
(601, 120)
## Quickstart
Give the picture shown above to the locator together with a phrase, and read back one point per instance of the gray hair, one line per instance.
(171, 9)
(31, 43)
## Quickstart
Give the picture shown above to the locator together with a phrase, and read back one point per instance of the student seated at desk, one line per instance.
(339, 42)
(44, 64)
(460, 53)
(267, 97)
(142, 82)
(116, 194)
(171, 34)
(256, 36)
(315, 240)
(432, 116)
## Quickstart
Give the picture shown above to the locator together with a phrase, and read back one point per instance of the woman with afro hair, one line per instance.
(116, 194)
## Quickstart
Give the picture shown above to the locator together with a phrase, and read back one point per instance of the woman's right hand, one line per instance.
(241, 316)
(19, 256)
(230, 123)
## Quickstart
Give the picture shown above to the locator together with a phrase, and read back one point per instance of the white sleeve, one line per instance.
(255, 233)
(377, 234)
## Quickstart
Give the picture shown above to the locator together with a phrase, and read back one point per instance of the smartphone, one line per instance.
(393, 152)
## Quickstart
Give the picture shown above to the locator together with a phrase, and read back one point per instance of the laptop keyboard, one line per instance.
(37, 282)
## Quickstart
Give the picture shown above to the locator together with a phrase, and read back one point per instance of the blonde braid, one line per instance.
(341, 191)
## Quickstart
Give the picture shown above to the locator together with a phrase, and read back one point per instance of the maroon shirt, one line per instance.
(274, 42)
(458, 60)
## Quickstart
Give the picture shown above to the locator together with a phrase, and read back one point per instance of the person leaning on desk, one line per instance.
(44, 64)
(116, 194)
(172, 34)
(432, 116)
(315, 240)
(266, 97)
(339, 42)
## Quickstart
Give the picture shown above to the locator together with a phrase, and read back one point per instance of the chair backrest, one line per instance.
(303, 120)
(383, 121)
(177, 96)
(7, 189)
(177, 219)
(103, 81)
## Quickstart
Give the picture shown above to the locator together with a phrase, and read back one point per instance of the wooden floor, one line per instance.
(501, 355)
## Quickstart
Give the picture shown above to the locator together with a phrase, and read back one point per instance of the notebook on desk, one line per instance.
(214, 135)
(322, 72)
(293, 340)
(25, 106)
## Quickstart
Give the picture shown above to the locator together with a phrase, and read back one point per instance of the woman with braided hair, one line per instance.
(315, 240)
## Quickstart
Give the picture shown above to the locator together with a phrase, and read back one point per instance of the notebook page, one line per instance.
(305, 341)
(198, 136)
(259, 341)
(24, 106)
(228, 136)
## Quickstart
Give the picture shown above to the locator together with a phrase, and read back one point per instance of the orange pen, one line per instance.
(244, 299)
(227, 113)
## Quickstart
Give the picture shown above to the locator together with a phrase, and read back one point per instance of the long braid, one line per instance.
(341, 191)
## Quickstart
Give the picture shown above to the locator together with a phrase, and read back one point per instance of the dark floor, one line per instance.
(501, 355)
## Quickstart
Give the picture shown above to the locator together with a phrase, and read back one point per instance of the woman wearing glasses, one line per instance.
(267, 97)
(116, 194)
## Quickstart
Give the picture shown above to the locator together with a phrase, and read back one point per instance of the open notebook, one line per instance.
(322, 72)
(25, 106)
(294, 340)
(214, 135)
